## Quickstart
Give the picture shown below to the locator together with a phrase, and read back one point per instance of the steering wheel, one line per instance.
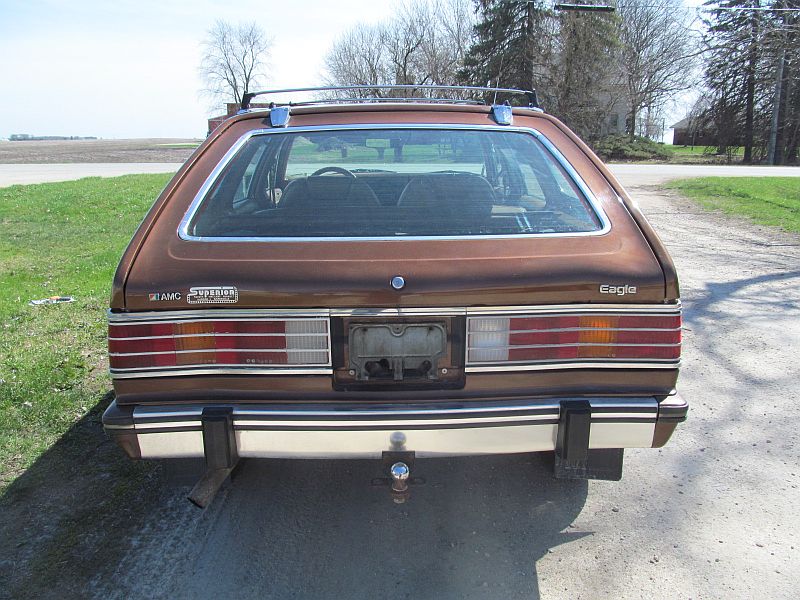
(332, 169)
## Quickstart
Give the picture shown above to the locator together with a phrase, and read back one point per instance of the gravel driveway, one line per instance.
(712, 515)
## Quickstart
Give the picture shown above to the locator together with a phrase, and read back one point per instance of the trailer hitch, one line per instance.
(219, 448)
(398, 465)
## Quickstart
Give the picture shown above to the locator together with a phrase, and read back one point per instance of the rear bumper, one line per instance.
(361, 430)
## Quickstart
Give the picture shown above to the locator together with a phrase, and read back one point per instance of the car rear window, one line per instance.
(392, 183)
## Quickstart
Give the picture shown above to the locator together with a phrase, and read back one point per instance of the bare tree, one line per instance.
(657, 56)
(448, 39)
(358, 57)
(423, 43)
(234, 60)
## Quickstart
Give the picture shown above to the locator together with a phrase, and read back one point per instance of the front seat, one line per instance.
(329, 193)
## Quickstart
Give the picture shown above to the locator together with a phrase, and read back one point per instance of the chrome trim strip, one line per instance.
(601, 406)
(548, 330)
(346, 410)
(226, 314)
(243, 335)
(180, 425)
(488, 368)
(226, 370)
(244, 350)
(399, 312)
(531, 346)
(390, 424)
(638, 409)
(282, 314)
(399, 423)
(183, 228)
(545, 409)
(646, 309)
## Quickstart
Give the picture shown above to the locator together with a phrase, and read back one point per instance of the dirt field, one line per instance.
(155, 150)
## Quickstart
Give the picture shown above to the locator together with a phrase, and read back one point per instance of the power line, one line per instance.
(610, 7)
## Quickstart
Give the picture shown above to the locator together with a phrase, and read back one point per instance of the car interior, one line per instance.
(445, 183)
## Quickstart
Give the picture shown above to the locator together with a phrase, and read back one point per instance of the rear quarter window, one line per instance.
(392, 183)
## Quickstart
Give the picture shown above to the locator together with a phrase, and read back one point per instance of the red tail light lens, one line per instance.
(512, 339)
(223, 343)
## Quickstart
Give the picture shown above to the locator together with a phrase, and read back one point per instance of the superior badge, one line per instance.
(215, 294)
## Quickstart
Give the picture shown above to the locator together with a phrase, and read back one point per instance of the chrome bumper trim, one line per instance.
(356, 431)
(372, 443)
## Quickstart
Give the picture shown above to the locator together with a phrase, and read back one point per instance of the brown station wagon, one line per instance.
(394, 280)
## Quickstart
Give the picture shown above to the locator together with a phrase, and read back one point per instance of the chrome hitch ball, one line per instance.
(399, 473)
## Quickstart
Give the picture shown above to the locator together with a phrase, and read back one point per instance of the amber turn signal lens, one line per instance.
(598, 330)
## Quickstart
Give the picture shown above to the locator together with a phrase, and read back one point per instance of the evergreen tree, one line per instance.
(752, 62)
(513, 44)
(733, 40)
(567, 58)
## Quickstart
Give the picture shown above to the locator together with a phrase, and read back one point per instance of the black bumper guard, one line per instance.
(573, 458)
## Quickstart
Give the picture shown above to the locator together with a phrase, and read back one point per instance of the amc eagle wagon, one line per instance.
(394, 279)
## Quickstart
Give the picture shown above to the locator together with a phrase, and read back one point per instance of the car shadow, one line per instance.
(84, 521)
(69, 512)
(319, 529)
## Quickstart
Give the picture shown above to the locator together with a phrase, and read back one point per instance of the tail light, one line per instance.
(222, 343)
(542, 339)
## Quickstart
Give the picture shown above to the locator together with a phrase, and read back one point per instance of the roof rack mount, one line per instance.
(533, 100)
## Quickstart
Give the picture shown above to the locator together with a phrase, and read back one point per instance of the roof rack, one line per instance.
(379, 99)
(533, 100)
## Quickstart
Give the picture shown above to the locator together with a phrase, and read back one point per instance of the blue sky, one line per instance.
(128, 68)
(122, 68)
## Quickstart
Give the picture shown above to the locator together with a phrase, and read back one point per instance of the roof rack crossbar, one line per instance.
(533, 100)
(377, 99)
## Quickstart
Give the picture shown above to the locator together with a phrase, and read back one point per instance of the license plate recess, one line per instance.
(397, 351)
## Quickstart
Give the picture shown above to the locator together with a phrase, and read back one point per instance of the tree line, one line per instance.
(587, 67)
(750, 95)
(600, 72)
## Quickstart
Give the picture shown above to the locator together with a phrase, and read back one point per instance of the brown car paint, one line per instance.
(356, 274)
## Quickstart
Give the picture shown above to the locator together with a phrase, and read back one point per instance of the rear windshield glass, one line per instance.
(392, 183)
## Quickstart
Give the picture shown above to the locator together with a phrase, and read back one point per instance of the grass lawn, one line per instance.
(58, 239)
(700, 150)
(766, 200)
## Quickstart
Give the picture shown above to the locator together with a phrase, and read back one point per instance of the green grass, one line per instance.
(58, 239)
(700, 150)
(765, 200)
